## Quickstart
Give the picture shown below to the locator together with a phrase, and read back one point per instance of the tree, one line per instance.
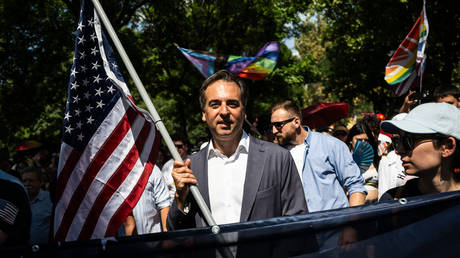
(36, 50)
(364, 35)
(226, 27)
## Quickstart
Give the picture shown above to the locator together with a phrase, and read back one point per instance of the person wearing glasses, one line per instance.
(182, 148)
(324, 163)
(427, 140)
(241, 178)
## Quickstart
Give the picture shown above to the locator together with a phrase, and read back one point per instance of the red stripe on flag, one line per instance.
(127, 206)
(65, 173)
(114, 183)
(107, 148)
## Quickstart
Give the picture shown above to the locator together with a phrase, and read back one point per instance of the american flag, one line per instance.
(8, 211)
(109, 146)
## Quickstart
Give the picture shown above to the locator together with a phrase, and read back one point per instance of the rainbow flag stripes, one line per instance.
(406, 66)
(254, 68)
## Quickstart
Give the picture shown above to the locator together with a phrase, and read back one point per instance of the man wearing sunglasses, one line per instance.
(182, 148)
(427, 141)
(324, 162)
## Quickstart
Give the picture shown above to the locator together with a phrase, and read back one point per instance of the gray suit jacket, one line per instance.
(272, 187)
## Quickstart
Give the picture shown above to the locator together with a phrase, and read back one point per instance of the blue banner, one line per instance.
(425, 226)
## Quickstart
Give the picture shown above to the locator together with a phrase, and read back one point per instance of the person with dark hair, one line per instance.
(429, 147)
(368, 129)
(240, 177)
(40, 204)
(182, 147)
(447, 94)
(340, 132)
(324, 162)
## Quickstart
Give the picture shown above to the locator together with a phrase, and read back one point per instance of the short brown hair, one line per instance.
(226, 76)
(32, 169)
(289, 106)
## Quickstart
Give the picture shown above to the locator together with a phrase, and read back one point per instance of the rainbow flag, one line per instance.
(254, 68)
(406, 66)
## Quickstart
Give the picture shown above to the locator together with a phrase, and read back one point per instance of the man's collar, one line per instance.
(308, 138)
(242, 145)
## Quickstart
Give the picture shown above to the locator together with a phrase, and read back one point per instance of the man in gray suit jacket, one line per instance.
(240, 177)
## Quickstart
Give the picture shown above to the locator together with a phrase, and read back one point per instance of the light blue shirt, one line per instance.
(41, 208)
(328, 167)
(154, 198)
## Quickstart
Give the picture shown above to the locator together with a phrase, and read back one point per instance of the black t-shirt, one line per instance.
(15, 213)
(410, 189)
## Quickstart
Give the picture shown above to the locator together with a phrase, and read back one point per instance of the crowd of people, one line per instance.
(295, 170)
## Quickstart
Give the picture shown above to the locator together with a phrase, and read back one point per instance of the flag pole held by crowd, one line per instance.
(109, 145)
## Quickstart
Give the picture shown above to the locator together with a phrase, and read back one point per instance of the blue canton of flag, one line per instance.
(109, 145)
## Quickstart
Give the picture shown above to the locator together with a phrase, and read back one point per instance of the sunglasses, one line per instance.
(279, 125)
(408, 142)
(179, 146)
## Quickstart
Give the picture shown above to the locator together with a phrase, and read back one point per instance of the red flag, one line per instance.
(109, 146)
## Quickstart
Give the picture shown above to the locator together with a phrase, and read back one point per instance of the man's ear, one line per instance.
(298, 122)
(203, 117)
(448, 147)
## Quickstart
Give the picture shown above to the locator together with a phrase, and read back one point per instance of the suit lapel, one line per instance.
(254, 172)
(200, 169)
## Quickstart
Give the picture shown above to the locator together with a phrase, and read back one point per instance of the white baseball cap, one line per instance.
(429, 118)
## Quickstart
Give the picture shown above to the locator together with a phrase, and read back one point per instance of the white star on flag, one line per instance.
(77, 112)
(90, 120)
(110, 89)
(68, 129)
(99, 92)
(74, 85)
(100, 104)
(67, 116)
(81, 40)
(80, 26)
(94, 51)
(86, 95)
(73, 72)
(97, 79)
(88, 108)
(76, 99)
(95, 66)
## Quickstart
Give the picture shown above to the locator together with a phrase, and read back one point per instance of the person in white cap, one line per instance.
(428, 144)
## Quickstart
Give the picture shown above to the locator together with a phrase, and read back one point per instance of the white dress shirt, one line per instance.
(226, 176)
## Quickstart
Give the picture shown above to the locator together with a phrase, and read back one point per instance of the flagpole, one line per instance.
(156, 118)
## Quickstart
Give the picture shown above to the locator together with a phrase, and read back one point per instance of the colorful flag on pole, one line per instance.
(406, 66)
(254, 68)
(109, 146)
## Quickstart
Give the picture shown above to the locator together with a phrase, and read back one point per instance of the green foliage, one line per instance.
(35, 52)
(363, 36)
(343, 48)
